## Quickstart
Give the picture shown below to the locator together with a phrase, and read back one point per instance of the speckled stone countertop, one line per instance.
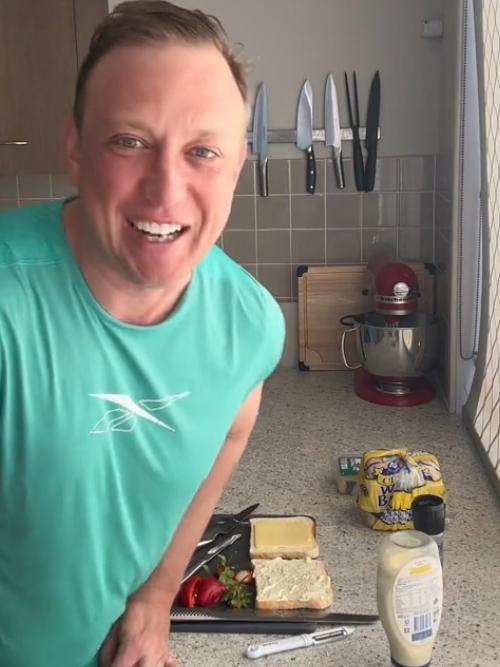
(306, 421)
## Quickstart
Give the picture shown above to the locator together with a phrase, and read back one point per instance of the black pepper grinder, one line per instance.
(429, 517)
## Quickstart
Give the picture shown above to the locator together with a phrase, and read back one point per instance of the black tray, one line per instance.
(220, 618)
(243, 627)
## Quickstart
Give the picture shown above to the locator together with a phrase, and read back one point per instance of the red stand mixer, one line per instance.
(396, 343)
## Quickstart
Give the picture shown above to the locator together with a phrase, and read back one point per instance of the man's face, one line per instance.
(157, 160)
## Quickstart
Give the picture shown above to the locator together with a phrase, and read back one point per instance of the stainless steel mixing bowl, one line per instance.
(408, 347)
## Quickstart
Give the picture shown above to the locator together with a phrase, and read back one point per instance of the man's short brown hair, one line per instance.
(151, 22)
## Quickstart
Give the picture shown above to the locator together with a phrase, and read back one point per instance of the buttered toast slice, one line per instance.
(292, 584)
(288, 537)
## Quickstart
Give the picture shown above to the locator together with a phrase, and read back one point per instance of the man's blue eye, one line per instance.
(130, 142)
(203, 152)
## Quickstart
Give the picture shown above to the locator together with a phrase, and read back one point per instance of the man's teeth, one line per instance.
(155, 231)
(156, 228)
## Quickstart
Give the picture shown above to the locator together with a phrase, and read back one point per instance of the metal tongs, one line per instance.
(357, 153)
(364, 175)
(226, 525)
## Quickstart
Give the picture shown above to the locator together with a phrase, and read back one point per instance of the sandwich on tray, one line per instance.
(287, 576)
(288, 537)
(297, 583)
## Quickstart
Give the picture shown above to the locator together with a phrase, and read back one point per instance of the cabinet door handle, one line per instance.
(14, 142)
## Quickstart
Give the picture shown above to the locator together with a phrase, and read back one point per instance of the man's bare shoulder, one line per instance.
(31, 234)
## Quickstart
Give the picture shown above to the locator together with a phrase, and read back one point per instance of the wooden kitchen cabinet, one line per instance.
(42, 44)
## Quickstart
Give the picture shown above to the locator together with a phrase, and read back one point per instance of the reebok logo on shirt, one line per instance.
(127, 416)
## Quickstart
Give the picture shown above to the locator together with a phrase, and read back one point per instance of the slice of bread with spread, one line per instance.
(300, 583)
(288, 537)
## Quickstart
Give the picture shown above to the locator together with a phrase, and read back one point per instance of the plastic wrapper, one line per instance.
(389, 480)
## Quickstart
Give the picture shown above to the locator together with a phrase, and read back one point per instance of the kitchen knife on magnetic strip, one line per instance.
(259, 137)
(371, 139)
(332, 130)
(304, 134)
(357, 153)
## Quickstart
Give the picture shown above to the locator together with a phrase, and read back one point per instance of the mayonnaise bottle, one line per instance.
(409, 596)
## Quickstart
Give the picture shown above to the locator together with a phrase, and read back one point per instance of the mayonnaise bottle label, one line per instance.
(417, 600)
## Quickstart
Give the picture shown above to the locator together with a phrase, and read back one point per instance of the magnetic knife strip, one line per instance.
(290, 136)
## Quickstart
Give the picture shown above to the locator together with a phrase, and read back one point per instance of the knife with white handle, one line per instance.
(332, 130)
(259, 137)
(298, 641)
(304, 134)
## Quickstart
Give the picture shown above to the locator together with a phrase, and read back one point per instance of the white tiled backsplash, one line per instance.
(272, 236)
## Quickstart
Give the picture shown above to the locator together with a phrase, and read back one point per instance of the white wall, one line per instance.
(290, 40)
(468, 269)
(447, 195)
(458, 197)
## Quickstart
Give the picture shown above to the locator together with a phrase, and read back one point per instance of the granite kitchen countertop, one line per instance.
(306, 421)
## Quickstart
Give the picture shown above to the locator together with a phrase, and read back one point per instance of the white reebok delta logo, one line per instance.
(126, 418)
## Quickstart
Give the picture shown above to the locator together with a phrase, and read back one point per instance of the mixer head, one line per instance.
(396, 290)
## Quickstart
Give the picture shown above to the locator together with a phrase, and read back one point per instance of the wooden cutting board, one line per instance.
(327, 293)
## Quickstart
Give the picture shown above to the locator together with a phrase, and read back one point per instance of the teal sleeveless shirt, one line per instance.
(107, 431)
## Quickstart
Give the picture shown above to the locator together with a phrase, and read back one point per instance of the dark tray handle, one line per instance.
(241, 627)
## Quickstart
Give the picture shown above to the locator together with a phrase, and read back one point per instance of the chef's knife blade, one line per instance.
(264, 616)
(304, 134)
(332, 130)
(226, 525)
(372, 122)
(259, 137)
(219, 546)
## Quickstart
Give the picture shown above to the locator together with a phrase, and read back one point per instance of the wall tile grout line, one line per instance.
(361, 226)
(398, 252)
(325, 183)
(320, 229)
(434, 213)
(292, 277)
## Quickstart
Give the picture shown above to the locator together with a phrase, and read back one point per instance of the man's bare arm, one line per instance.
(167, 576)
(140, 633)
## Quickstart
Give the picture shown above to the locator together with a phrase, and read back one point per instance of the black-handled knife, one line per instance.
(304, 134)
(357, 153)
(310, 170)
(372, 123)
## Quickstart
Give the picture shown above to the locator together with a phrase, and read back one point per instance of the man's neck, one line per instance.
(132, 305)
(121, 298)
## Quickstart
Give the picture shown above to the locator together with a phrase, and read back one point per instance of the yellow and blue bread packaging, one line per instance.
(389, 480)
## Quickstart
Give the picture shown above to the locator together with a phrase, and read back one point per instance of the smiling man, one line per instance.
(133, 350)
